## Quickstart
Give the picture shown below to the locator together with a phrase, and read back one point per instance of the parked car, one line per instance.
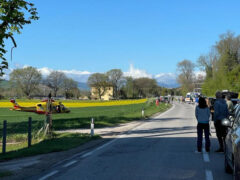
(232, 144)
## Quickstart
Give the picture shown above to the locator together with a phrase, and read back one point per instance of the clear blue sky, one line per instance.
(98, 35)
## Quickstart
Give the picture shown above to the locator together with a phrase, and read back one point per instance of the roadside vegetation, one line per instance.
(17, 123)
(59, 142)
(221, 66)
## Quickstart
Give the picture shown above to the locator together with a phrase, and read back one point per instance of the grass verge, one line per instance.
(59, 142)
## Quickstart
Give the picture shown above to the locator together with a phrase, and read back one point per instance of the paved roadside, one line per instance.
(25, 167)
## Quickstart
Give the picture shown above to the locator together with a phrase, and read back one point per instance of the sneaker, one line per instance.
(219, 150)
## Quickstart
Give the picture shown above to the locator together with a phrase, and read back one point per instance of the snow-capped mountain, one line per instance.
(167, 80)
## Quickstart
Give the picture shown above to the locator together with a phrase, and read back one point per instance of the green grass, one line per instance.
(17, 123)
(60, 142)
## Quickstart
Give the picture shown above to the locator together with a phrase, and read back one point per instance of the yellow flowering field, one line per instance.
(80, 104)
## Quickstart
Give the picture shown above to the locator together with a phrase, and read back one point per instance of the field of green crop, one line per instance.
(77, 118)
(17, 122)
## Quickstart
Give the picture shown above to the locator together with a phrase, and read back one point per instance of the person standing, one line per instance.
(220, 112)
(196, 100)
(229, 104)
(202, 114)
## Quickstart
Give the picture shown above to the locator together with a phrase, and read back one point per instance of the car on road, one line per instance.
(232, 144)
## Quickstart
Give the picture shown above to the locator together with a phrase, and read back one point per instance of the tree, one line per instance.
(222, 65)
(145, 87)
(115, 78)
(128, 88)
(26, 79)
(185, 69)
(55, 81)
(14, 14)
(228, 48)
(99, 82)
(208, 62)
(69, 85)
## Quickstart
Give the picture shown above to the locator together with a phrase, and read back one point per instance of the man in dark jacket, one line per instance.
(220, 112)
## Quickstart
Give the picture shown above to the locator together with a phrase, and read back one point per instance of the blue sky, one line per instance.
(99, 35)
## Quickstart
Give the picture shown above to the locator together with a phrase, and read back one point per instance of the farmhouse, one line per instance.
(106, 93)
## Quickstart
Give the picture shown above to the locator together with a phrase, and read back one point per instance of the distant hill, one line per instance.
(169, 85)
(4, 84)
(83, 86)
(167, 80)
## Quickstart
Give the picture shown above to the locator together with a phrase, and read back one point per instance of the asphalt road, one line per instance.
(161, 148)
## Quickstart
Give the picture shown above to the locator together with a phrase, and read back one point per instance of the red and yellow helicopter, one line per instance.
(41, 107)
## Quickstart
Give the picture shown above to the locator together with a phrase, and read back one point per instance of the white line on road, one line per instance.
(122, 135)
(108, 143)
(48, 175)
(209, 175)
(87, 154)
(70, 163)
(206, 157)
(205, 154)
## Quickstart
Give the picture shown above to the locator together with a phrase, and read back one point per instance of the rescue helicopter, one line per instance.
(41, 107)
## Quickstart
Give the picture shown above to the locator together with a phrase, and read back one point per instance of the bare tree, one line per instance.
(185, 70)
(55, 81)
(208, 62)
(26, 79)
(115, 78)
(99, 82)
(69, 85)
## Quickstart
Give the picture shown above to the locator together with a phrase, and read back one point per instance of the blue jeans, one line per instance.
(200, 128)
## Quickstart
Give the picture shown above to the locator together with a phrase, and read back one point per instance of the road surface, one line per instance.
(161, 148)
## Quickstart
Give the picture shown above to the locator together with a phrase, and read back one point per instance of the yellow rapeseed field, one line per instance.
(80, 104)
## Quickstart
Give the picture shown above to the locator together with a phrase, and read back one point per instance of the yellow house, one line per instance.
(107, 95)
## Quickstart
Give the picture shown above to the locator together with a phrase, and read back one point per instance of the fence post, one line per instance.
(4, 136)
(29, 131)
(92, 127)
(143, 113)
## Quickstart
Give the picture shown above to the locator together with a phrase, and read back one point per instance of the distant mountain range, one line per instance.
(4, 84)
(167, 80)
(83, 86)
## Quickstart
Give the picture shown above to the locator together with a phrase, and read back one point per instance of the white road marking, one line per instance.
(122, 135)
(209, 175)
(70, 163)
(205, 154)
(101, 147)
(87, 154)
(206, 157)
(49, 175)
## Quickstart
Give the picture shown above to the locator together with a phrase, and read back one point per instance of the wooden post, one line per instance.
(4, 137)
(29, 132)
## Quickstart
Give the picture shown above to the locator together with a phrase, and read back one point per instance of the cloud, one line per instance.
(136, 73)
(80, 76)
(163, 79)
(200, 73)
(164, 75)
